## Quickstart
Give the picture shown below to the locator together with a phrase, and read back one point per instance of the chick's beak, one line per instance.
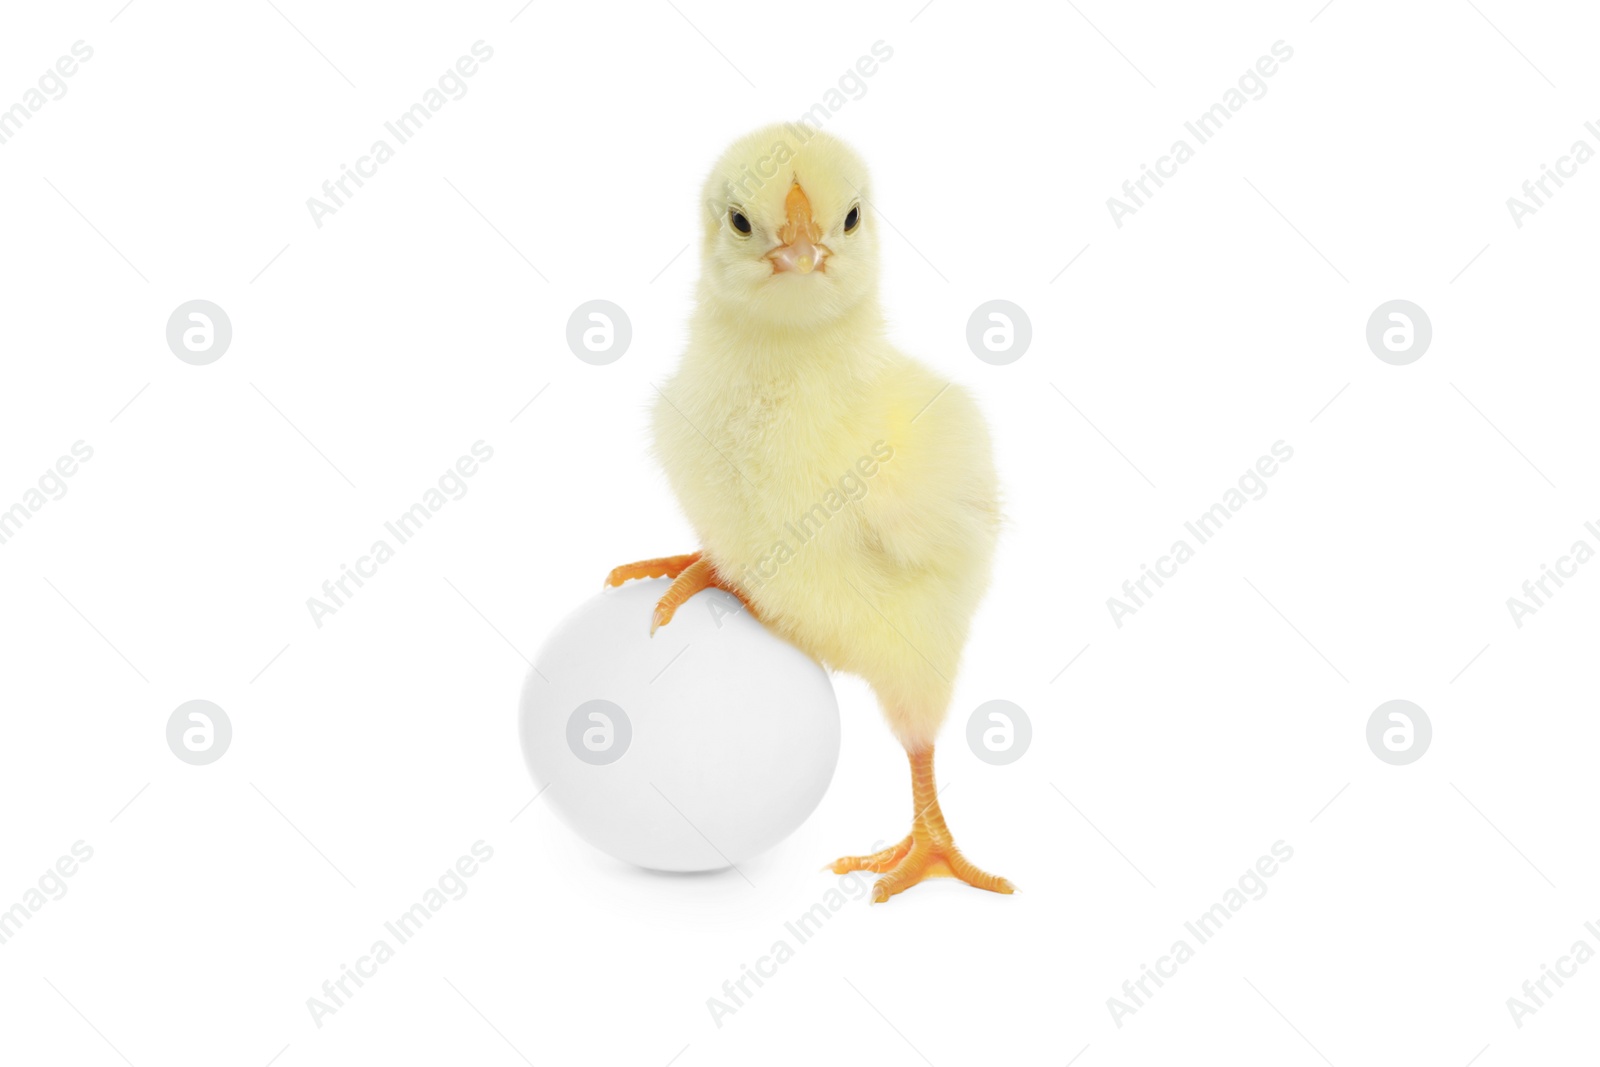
(800, 251)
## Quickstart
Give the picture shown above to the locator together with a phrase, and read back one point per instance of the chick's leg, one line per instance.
(665, 567)
(696, 576)
(929, 852)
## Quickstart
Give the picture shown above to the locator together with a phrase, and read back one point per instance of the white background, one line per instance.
(1222, 317)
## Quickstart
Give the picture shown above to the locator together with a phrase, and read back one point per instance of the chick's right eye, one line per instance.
(740, 224)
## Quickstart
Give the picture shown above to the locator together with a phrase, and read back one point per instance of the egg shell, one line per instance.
(691, 750)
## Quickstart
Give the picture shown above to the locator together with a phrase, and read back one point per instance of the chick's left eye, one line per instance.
(739, 222)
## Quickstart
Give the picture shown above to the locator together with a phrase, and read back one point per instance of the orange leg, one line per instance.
(689, 573)
(696, 576)
(929, 852)
(665, 567)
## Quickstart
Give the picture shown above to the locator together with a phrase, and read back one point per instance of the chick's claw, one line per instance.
(698, 575)
(928, 851)
(934, 858)
(877, 862)
(920, 856)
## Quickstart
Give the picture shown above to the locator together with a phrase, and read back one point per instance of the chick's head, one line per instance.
(789, 238)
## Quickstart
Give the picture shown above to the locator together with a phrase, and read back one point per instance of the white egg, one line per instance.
(690, 750)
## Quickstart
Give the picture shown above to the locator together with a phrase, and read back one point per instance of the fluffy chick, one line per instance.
(841, 489)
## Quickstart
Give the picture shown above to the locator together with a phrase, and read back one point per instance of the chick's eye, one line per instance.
(740, 224)
(852, 220)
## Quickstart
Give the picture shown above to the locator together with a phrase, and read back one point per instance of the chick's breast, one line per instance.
(859, 515)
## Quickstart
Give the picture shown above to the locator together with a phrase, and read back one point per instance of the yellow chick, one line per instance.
(842, 490)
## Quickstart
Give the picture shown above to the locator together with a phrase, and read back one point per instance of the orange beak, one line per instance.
(800, 251)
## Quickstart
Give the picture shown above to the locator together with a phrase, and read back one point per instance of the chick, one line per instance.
(840, 489)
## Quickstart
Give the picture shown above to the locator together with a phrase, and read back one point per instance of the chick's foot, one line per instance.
(665, 567)
(928, 852)
(690, 579)
(876, 862)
